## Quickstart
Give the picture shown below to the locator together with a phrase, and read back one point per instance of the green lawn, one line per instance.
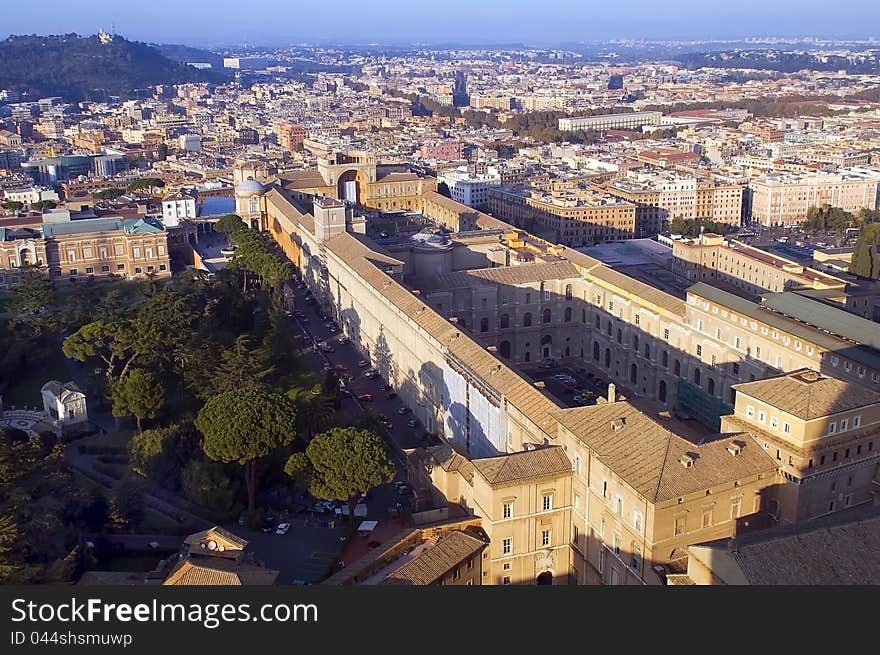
(25, 390)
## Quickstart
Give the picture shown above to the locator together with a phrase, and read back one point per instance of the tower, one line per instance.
(460, 97)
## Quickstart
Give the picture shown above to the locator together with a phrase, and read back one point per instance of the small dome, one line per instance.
(250, 187)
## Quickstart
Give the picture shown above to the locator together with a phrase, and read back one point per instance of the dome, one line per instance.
(250, 187)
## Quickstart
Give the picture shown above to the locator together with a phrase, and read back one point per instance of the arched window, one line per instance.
(619, 335)
(584, 316)
(665, 359)
(710, 387)
(528, 298)
(504, 349)
(598, 322)
(697, 376)
(528, 356)
(661, 391)
(484, 325)
(568, 292)
(485, 303)
(567, 351)
(596, 350)
(527, 319)
(546, 339)
(609, 328)
(633, 373)
(505, 321)
(545, 316)
(676, 368)
(647, 351)
(568, 315)
(635, 342)
(608, 358)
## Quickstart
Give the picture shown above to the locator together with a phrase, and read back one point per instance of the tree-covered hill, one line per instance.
(75, 67)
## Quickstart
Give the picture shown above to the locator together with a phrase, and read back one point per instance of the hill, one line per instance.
(185, 53)
(865, 62)
(77, 67)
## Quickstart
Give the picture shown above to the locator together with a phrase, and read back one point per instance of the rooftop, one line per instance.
(809, 395)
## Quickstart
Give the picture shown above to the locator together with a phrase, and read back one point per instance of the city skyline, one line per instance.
(559, 22)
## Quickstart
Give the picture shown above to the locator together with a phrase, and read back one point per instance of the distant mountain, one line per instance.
(864, 62)
(77, 67)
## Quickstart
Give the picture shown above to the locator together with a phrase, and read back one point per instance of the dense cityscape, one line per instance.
(413, 315)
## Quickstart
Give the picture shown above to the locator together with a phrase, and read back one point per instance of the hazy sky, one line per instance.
(271, 22)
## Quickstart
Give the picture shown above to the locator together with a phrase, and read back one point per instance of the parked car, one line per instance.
(282, 528)
(268, 524)
(365, 397)
(412, 423)
(342, 368)
(386, 387)
(344, 392)
(403, 410)
(324, 507)
(305, 320)
(344, 339)
(298, 313)
(326, 348)
(363, 363)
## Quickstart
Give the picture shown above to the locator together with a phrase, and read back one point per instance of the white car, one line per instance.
(282, 528)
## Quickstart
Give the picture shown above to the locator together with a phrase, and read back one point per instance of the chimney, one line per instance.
(686, 460)
(618, 424)
(735, 448)
(612, 392)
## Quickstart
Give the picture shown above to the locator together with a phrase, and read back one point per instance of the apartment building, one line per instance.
(469, 187)
(576, 217)
(660, 196)
(785, 199)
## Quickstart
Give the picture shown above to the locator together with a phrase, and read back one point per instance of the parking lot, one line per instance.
(569, 386)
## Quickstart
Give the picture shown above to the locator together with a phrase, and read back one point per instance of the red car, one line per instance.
(366, 397)
(342, 368)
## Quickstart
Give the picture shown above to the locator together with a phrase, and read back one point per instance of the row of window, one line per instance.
(89, 270)
(507, 508)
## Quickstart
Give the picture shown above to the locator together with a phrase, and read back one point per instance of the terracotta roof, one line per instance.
(527, 273)
(523, 465)
(808, 395)
(398, 176)
(647, 455)
(219, 572)
(220, 536)
(644, 291)
(290, 210)
(305, 179)
(436, 561)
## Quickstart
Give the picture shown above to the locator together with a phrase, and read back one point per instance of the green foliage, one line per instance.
(73, 66)
(138, 394)
(12, 205)
(145, 183)
(152, 454)
(109, 194)
(43, 205)
(229, 224)
(443, 189)
(240, 367)
(244, 426)
(127, 503)
(828, 219)
(340, 463)
(33, 300)
(866, 260)
(209, 484)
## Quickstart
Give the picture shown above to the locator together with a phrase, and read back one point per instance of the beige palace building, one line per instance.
(610, 493)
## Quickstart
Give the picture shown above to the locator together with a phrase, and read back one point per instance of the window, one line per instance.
(762, 416)
(507, 510)
(636, 559)
(137, 269)
(527, 319)
(735, 508)
(505, 579)
(162, 267)
(577, 502)
(74, 271)
(507, 546)
(618, 505)
(844, 424)
(666, 334)
(637, 319)
(857, 421)
(680, 525)
(832, 427)
(616, 544)
(637, 521)
(604, 488)
(89, 270)
(548, 502)
(576, 464)
(120, 267)
(707, 518)
(105, 268)
(773, 422)
(574, 534)
(506, 566)
(786, 427)
(136, 252)
(545, 537)
(735, 368)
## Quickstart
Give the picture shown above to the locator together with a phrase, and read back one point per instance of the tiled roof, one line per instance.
(523, 465)
(305, 179)
(219, 572)
(436, 561)
(646, 454)
(289, 209)
(220, 536)
(808, 395)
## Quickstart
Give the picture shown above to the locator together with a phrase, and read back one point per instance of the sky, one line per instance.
(544, 23)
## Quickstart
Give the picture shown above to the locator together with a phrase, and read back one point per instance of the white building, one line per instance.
(31, 195)
(468, 187)
(178, 205)
(64, 402)
(628, 121)
(190, 142)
